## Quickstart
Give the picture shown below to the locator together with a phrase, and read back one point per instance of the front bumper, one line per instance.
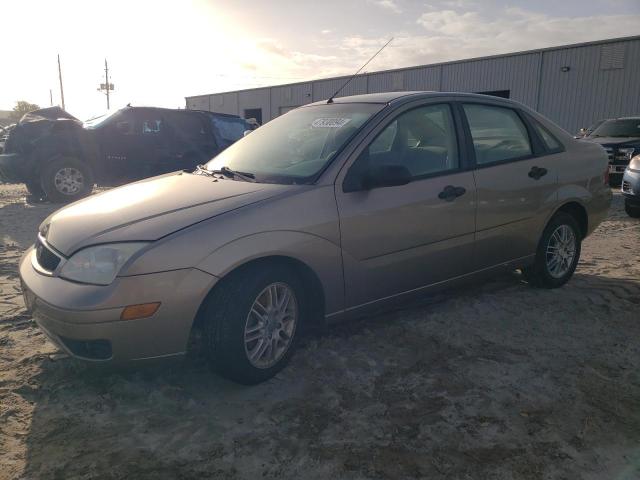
(84, 320)
(11, 167)
(631, 186)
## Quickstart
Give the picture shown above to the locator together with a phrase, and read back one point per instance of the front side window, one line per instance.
(296, 146)
(423, 140)
(498, 133)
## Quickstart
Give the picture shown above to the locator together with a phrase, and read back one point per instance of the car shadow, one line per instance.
(182, 421)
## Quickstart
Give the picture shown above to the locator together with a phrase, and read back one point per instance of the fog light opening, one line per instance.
(143, 310)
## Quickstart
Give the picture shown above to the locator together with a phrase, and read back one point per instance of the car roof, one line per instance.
(627, 118)
(181, 110)
(389, 97)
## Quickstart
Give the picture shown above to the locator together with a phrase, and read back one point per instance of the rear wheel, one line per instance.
(252, 323)
(632, 210)
(66, 179)
(558, 253)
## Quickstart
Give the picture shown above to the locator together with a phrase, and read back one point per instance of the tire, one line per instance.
(231, 310)
(66, 179)
(545, 273)
(632, 211)
(35, 189)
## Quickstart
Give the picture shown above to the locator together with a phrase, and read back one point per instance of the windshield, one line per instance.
(297, 145)
(99, 120)
(618, 128)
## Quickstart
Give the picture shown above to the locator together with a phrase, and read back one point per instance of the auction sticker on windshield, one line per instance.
(330, 122)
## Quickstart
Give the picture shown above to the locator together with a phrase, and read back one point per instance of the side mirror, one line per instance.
(386, 176)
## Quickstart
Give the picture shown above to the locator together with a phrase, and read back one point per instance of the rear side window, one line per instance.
(498, 133)
(549, 141)
(229, 129)
(187, 126)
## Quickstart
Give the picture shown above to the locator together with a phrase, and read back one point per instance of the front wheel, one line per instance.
(558, 253)
(66, 179)
(35, 189)
(252, 323)
(632, 210)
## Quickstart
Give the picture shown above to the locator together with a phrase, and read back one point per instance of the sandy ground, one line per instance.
(492, 381)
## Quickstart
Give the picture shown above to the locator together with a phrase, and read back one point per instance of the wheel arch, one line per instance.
(577, 211)
(310, 281)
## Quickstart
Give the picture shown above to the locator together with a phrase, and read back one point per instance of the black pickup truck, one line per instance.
(61, 158)
(620, 137)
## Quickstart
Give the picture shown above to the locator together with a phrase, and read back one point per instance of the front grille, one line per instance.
(46, 258)
(609, 151)
(626, 188)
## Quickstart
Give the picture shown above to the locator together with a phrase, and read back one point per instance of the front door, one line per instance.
(400, 238)
(516, 185)
(119, 145)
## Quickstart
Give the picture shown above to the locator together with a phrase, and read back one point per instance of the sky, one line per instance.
(161, 51)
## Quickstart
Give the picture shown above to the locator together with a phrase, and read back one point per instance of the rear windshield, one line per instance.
(618, 128)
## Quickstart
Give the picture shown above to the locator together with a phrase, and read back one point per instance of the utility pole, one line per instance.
(61, 89)
(50, 97)
(106, 80)
(106, 86)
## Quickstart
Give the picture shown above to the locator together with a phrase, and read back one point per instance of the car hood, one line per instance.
(611, 141)
(150, 209)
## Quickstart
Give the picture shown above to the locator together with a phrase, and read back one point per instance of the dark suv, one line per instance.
(61, 158)
(620, 137)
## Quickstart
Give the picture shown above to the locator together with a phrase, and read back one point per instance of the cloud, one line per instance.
(389, 5)
(326, 32)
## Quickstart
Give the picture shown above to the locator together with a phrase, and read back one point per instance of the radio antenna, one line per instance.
(356, 74)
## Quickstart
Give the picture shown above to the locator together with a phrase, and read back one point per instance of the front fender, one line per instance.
(319, 254)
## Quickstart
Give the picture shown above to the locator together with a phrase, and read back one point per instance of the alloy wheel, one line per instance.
(68, 181)
(561, 251)
(270, 325)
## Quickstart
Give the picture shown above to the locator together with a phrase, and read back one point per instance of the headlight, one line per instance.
(635, 163)
(99, 265)
(627, 152)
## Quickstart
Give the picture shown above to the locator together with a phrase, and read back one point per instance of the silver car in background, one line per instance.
(631, 188)
(324, 213)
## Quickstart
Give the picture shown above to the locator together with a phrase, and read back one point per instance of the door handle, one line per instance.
(537, 172)
(450, 193)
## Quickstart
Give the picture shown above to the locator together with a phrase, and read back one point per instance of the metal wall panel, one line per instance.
(224, 103)
(595, 86)
(287, 96)
(585, 93)
(257, 98)
(198, 103)
(518, 74)
(423, 78)
(323, 89)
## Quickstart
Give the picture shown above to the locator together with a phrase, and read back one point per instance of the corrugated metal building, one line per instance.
(573, 85)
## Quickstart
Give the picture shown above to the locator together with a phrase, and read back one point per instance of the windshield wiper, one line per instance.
(201, 170)
(227, 172)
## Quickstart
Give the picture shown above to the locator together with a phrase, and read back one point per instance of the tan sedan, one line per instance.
(323, 213)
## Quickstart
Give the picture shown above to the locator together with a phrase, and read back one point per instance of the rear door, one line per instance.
(396, 239)
(516, 183)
